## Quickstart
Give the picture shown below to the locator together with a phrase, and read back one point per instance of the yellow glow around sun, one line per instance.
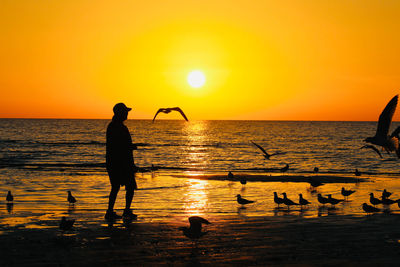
(196, 79)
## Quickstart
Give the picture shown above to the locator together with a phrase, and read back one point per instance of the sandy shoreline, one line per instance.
(232, 240)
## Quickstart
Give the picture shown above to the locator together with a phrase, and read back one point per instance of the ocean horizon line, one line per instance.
(255, 120)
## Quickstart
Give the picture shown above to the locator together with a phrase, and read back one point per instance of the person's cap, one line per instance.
(120, 107)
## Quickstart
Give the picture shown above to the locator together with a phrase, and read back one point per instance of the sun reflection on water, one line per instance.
(196, 150)
(195, 200)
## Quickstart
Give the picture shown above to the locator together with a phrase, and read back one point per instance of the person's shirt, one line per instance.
(119, 145)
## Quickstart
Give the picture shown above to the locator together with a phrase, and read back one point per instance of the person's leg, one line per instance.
(113, 196)
(129, 196)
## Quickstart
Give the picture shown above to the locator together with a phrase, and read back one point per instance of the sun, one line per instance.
(196, 79)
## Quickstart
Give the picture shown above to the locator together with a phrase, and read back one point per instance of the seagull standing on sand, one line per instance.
(314, 183)
(288, 202)
(347, 193)
(265, 154)
(277, 200)
(386, 194)
(66, 224)
(373, 148)
(168, 110)
(71, 199)
(194, 230)
(243, 201)
(369, 209)
(322, 200)
(382, 138)
(373, 200)
(302, 201)
(9, 197)
(333, 201)
(388, 201)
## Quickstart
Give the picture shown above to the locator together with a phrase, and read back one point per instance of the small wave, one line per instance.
(162, 187)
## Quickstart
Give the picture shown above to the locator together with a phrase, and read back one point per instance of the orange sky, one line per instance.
(264, 60)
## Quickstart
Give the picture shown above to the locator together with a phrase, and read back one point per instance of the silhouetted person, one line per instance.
(119, 160)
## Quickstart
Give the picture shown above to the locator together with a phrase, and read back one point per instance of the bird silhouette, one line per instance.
(288, 202)
(388, 201)
(243, 181)
(369, 209)
(357, 172)
(373, 200)
(373, 148)
(322, 200)
(386, 194)
(314, 183)
(277, 199)
(9, 197)
(243, 201)
(382, 138)
(71, 199)
(66, 224)
(168, 110)
(285, 169)
(194, 230)
(302, 201)
(347, 193)
(316, 169)
(265, 154)
(230, 175)
(334, 201)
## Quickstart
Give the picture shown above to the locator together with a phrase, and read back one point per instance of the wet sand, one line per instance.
(231, 240)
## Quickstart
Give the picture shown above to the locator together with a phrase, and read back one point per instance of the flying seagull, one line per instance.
(373, 148)
(194, 230)
(266, 155)
(382, 138)
(168, 110)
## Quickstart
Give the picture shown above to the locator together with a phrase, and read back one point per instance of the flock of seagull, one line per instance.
(384, 200)
(388, 143)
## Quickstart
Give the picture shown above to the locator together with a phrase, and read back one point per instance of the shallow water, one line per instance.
(41, 159)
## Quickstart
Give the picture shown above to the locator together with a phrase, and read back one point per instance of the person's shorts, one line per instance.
(121, 177)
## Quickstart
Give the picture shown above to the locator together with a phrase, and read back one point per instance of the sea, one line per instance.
(40, 159)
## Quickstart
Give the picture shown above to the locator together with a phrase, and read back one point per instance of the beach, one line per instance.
(257, 235)
(232, 240)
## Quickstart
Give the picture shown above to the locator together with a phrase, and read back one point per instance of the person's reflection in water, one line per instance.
(10, 207)
(120, 163)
